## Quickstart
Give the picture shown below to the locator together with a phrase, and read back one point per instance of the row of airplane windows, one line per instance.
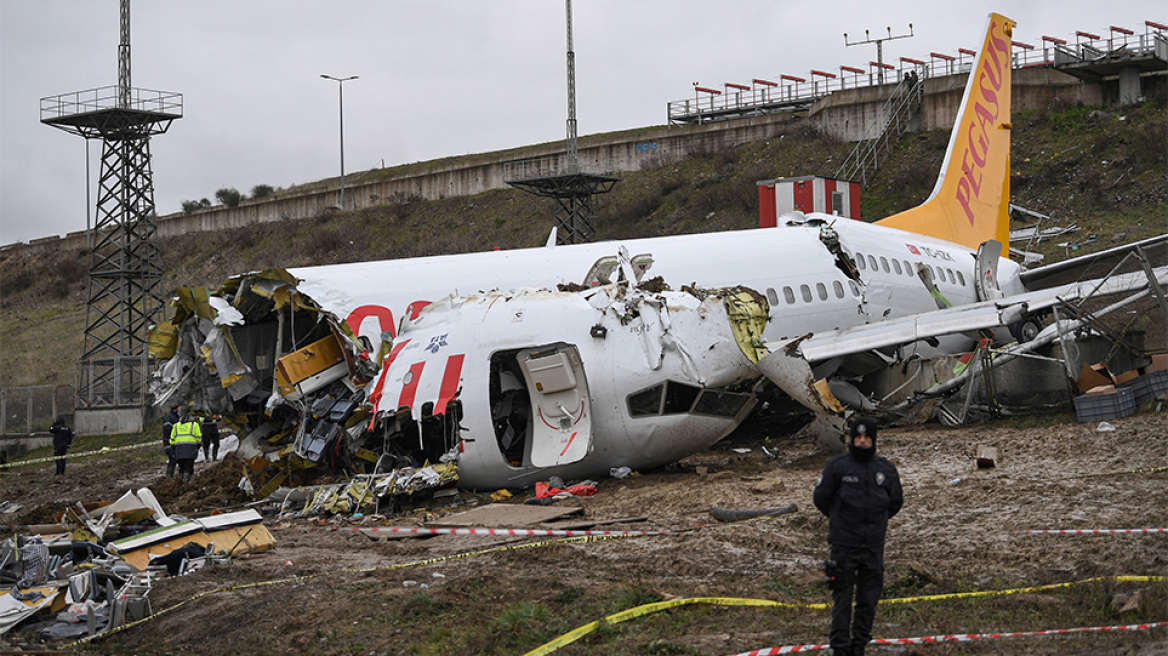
(939, 274)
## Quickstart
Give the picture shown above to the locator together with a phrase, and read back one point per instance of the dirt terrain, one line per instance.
(961, 530)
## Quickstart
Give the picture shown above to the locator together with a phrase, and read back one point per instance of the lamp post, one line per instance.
(341, 95)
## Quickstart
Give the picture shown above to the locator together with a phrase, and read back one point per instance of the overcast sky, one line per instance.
(437, 78)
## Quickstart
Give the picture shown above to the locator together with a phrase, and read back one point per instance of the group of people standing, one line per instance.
(183, 435)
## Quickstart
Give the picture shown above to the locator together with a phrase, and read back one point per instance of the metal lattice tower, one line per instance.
(125, 272)
(564, 179)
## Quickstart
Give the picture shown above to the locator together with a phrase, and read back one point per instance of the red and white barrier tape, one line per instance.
(959, 637)
(1096, 531)
(410, 530)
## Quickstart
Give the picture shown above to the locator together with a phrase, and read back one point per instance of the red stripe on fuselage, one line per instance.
(410, 388)
(450, 380)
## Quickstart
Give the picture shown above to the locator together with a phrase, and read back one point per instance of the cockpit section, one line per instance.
(673, 398)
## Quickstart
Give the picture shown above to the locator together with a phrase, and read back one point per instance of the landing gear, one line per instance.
(1026, 330)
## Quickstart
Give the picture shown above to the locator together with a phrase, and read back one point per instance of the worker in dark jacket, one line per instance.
(62, 440)
(168, 423)
(858, 491)
(186, 438)
(211, 438)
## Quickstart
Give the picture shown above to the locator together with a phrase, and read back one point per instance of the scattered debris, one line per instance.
(516, 515)
(728, 515)
(93, 570)
(985, 457)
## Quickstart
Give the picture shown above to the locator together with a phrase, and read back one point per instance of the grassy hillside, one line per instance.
(1104, 169)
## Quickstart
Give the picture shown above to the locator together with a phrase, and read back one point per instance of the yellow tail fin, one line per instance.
(971, 200)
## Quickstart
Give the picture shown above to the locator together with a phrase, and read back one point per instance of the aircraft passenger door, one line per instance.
(561, 408)
(986, 272)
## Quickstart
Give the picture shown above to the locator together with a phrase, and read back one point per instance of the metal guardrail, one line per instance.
(556, 165)
(106, 98)
(792, 93)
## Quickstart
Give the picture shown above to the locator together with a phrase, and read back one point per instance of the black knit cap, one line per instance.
(863, 426)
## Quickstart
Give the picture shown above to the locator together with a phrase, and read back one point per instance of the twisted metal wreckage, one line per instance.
(307, 396)
(92, 571)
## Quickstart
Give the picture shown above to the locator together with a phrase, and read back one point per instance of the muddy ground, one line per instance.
(341, 592)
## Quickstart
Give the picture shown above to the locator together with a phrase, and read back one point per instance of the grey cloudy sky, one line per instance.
(437, 78)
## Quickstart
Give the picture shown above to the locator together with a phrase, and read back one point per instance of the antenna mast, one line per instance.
(574, 188)
(879, 47)
(573, 151)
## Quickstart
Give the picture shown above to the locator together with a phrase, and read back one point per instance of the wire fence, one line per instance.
(30, 410)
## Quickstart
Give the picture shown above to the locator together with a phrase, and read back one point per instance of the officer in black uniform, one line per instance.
(858, 491)
(62, 440)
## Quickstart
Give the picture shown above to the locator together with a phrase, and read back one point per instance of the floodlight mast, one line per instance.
(879, 47)
(125, 271)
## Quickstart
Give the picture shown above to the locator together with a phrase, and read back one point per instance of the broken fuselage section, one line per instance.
(503, 388)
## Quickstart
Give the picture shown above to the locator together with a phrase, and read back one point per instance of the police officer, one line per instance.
(858, 491)
(186, 438)
(62, 440)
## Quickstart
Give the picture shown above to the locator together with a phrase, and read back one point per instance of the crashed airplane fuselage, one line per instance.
(572, 384)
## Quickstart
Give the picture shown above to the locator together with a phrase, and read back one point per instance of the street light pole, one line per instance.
(341, 95)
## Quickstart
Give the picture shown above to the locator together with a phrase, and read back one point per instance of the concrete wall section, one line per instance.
(620, 152)
(109, 421)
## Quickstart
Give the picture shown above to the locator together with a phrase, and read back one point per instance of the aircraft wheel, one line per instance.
(1026, 330)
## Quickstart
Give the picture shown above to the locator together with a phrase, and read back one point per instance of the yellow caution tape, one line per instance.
(648, 609)
(102, 451)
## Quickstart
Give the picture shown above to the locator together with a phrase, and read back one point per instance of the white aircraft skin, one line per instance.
(764, 259)
(586, 429)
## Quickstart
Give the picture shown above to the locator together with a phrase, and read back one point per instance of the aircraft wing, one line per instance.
(1155, 249)
(987, 314)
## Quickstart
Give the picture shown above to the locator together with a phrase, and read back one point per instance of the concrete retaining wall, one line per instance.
(844, 115)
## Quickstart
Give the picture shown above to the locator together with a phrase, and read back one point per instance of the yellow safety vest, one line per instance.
(186, 432)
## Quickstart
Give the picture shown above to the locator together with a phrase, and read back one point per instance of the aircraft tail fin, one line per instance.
(970, 203)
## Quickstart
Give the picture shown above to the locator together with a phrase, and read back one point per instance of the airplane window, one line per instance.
(884, 263)
(908, 270)
(679, 397)
(822, 290)
(772, 297)
(855, 289)
(806, 293)
(872, 262)
(960, 279)
(839, 289)
(646, 403)
(720, 404)
(896, 267)
(789, 295)
(860, 261)
(952, 279)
